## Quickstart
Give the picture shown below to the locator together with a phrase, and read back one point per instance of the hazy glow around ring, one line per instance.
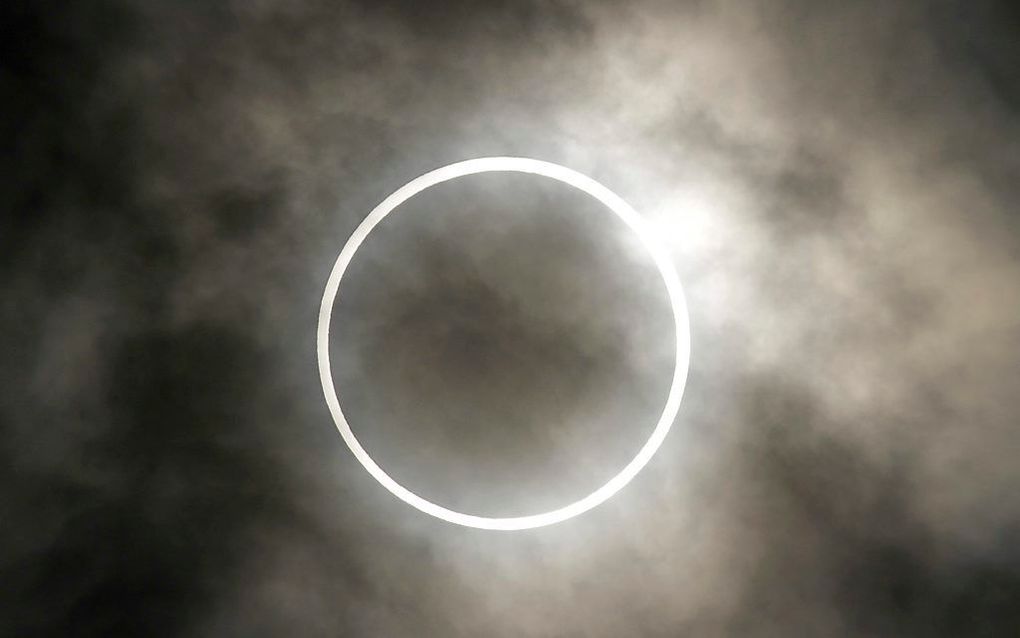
(624, 212)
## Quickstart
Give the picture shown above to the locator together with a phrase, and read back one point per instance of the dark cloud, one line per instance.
(836, 184)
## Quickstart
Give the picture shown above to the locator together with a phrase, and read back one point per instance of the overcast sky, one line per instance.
(837, 184)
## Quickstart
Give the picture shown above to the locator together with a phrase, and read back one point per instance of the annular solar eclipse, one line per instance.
(630, 218)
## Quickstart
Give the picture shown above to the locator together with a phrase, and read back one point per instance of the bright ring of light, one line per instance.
(624, 212)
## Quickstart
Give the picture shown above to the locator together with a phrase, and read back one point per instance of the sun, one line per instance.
(648, 240)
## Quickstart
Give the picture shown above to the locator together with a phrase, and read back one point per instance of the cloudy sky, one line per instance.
(837, 184)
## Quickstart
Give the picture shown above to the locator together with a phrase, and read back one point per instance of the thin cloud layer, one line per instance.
(836, 184)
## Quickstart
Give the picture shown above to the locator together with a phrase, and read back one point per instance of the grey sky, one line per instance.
(836, 183)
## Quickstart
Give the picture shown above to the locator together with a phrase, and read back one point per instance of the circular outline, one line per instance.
(613, 203)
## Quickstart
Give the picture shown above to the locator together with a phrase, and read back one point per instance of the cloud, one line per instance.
(836, 185)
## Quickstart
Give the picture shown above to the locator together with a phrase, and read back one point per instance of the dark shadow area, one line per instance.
(152, 531)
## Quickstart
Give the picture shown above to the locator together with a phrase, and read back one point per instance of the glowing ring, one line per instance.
(624, 212)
